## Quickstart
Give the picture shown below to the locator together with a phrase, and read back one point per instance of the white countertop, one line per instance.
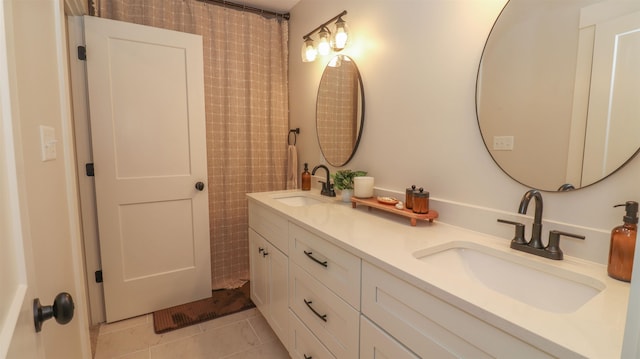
(595, 330)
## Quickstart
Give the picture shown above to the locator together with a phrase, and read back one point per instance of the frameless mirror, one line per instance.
(557, 91)
(340, 110)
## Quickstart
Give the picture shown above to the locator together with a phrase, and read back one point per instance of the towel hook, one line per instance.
(296, 132)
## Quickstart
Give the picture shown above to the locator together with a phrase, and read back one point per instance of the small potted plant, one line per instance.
(343, 181)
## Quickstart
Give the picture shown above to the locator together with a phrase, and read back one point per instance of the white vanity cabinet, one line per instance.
(337, 283)
(431, 327)
(269, 268)
(324, 291)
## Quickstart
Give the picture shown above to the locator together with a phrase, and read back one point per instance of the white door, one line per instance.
(16, 289)
(26, 256)
(146, 100)
(613, 101)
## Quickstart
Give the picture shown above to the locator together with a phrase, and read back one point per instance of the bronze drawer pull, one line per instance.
(310, 255)
(321, 316)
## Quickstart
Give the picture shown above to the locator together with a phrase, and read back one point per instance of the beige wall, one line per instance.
(418, 60)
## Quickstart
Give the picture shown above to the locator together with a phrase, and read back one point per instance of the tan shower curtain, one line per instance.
(245, 69)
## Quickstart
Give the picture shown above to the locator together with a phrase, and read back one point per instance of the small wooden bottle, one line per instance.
(623, 244)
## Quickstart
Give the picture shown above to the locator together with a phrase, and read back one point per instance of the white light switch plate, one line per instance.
(48, 143)
(503, 143)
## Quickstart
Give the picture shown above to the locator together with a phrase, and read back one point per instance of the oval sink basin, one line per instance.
(298, 200)
(536, 284)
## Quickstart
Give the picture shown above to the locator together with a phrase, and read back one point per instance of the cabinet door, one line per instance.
(258, 272)
(375, 343)
(278, 293)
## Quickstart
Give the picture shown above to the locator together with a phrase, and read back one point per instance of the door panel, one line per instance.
(159, 120)
(142, 230)
(146, 103)
(613, 102)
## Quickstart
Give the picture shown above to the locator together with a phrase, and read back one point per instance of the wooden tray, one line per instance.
(414, 217)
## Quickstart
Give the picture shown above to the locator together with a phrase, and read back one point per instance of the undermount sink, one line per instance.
(539, 285)
(298, 200)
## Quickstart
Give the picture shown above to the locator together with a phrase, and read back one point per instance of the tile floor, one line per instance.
(236, 336)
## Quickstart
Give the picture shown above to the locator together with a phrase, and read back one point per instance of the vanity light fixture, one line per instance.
(340, 38)
(324, 48)
(309, 52)
(328, 40)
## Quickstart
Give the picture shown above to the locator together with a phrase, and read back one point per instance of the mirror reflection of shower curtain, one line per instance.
(245, 69)
(337, 111)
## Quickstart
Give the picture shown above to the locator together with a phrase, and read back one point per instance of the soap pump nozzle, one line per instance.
(631, 208)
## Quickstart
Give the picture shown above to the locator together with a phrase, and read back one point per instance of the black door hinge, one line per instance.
(89, 170)
(82, 53)
(99, 276)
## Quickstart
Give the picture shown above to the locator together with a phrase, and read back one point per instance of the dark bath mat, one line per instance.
(222, 302)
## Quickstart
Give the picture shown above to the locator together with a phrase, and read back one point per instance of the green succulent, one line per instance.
(343, 179)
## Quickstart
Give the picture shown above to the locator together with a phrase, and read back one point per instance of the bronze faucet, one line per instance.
(536, 231)
(535, 246)
(327, 187)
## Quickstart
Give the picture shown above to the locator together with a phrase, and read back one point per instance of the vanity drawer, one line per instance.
(375, 343)
(270, 225)
(329, 318)
(302, 343)
(331, 265)
(430, 327)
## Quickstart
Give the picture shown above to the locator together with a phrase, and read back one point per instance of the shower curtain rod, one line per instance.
(247, 8)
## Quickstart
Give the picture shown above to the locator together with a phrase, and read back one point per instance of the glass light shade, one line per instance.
(340, 37)
(308, 52)
(324, 47)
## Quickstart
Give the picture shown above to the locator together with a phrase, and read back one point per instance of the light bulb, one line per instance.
(340, 37)
(324, 47)
(308, 52)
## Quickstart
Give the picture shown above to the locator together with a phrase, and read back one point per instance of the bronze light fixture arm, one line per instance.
(324, 25)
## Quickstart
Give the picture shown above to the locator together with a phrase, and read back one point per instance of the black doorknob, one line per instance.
(199, 186)
(62, 309)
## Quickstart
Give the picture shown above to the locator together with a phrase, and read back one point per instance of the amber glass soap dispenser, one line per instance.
(306, 178)
(623, 244)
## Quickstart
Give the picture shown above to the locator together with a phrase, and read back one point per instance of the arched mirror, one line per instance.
(340, 110)
(558, 90)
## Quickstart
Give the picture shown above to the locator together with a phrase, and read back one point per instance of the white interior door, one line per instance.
(16, 292)
(26, 270)
(614, 108)
(146, 104)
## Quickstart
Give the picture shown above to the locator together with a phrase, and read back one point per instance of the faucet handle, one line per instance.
(553, 248)
(519, 234)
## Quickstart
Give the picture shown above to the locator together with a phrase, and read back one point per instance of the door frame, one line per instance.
(86, 185)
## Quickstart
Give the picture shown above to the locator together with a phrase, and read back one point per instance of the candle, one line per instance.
(363, 187)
